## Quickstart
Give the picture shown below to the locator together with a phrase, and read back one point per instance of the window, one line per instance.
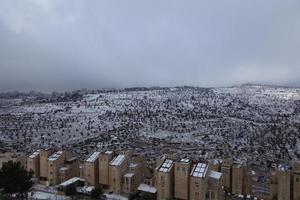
(178, 168)
(207, 195)
(297, 179)
(183, 169)
(212, 195)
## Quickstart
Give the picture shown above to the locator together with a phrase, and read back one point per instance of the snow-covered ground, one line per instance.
(259, 124)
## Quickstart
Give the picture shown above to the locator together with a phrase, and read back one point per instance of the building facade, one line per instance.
(182, 178)
(117, 168)
(91, 169)
(104, 160)
(165, 179)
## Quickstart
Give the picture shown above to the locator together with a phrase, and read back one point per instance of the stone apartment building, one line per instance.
(296, 180)
(226, 170)
(52, 168)
(91, 169)
(104, 160)
(281, 183)
(44, 155)
(187, 180)
(214, 186)
(199, 181)
(55, 162)
(117, 168)
(33, 164)
(165, 179)
(241, 180)
(70, 169)
(182, 174)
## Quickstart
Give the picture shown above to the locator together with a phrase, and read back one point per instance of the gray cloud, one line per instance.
(58, 45)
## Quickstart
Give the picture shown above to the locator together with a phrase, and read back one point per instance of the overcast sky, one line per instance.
(71, 44)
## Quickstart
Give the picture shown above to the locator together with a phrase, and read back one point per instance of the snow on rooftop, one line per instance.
(55, 156)
(85, 189)
(133, 165)
(35, 154)
(217, 161)
(147, 188)
(115, 197)
(199, 170)
(129, 175)
(93, 157)
(166, 166)
(185, 160)
(117, 161)
(108, 152)
(215, 175)
(70, 181)
(63, 168)
(282, 168)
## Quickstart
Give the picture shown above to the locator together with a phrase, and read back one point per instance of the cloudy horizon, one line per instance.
(51, 45)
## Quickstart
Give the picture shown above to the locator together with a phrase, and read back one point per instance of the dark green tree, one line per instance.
(70, 191)
(14, 179)
(97, 192)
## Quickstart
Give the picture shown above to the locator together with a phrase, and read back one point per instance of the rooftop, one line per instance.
(129, 175)
(185, 160)
(35, 154)
(117, 161)
(133, 165)
(215, 175)
(199, 170)
(70, 181)
(55, 156)
(166, 166)
(63, 168)
(93, 157)
(108, 152)
(147, 188)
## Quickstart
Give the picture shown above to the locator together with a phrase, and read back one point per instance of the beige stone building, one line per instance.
(241, 180)
(134, 176)
(281, 184)
(199, 181)
(296, 180)
(165, 179)
(55, 162)
(182, 178)
(215, 164)
(44, 154)
(128, 183)
(69, 170)
(104, 160)
(91, 169)
(52, 169)
(214, 186)
(117, 168)
(33, 164)
(226, 170)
